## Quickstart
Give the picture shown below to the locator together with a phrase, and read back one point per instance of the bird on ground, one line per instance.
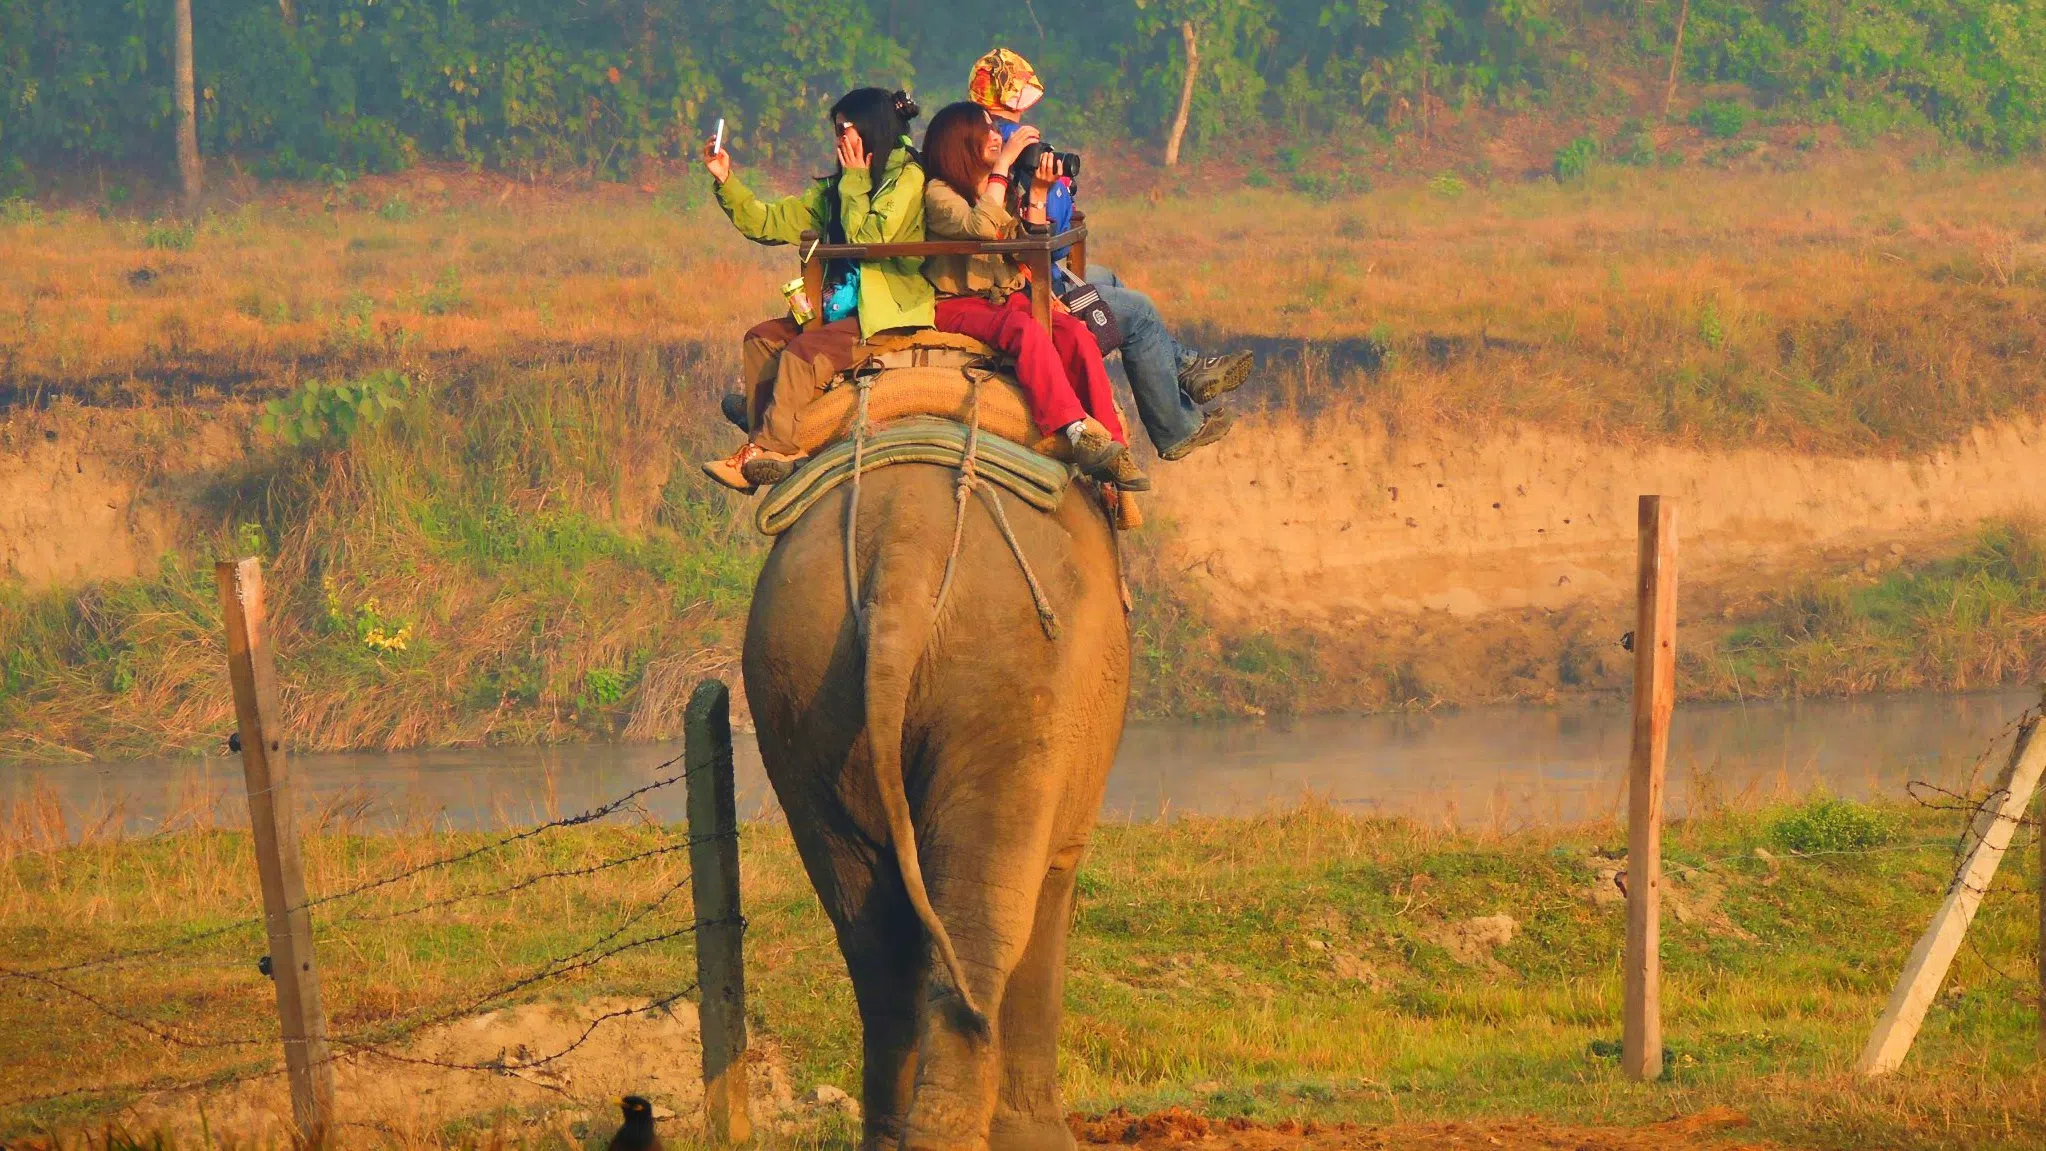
(637, 1134)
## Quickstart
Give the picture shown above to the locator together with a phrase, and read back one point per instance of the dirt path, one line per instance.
(1179, 1130)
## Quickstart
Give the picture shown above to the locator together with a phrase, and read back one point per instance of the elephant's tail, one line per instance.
(895, 644)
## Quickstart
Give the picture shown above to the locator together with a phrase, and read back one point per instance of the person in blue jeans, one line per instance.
(1171, 382)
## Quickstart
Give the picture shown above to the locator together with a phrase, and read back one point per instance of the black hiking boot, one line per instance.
(733, 405)
(1212, 376)
(1214, 426)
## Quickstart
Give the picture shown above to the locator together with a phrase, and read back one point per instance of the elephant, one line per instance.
(941, 769)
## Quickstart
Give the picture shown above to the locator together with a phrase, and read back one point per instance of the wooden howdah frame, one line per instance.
(1034, 252)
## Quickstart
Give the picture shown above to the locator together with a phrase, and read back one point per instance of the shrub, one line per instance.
(445, 297)
(1720, 119)
(1574, 160)
(170, 237)
(602, 687)
(1828, 825)
(331, 412)
(1636, 149)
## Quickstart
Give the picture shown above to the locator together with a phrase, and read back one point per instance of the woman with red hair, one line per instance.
(985, 297)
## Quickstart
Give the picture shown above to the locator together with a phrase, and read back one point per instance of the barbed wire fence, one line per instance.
(705, 766)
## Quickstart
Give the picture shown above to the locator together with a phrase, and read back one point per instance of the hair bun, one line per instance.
(905, 105)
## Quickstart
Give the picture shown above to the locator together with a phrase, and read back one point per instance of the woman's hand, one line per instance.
(852, 151)
(1046, 175)
(718, 163)
(1020, 139)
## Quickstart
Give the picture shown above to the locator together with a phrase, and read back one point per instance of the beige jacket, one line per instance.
(947, 216)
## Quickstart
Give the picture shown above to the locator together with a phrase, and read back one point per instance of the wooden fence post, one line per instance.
(273, 818)
(1655, 669)
(721, 932)
(1989, 835)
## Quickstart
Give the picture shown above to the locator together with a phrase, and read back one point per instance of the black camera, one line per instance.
(1065, 164)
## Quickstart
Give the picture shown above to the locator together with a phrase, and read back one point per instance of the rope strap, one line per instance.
(969, 480)
(854, 601)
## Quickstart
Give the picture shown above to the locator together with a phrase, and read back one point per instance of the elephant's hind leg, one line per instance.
(886, 953)
(983, 863)
(1030, 1114)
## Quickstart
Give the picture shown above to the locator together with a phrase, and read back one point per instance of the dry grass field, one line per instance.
(529, 522)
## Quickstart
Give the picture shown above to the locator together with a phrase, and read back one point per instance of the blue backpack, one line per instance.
(843, 299)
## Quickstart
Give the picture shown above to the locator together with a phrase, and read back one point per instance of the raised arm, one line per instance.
(780, 221)
(895, 215)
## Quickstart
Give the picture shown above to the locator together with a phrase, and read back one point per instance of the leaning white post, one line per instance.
(1991, 833)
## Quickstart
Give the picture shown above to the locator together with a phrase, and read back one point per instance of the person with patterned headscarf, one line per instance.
(1169, 380)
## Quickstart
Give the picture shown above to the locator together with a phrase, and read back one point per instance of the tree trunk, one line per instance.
(290, 12)
(1193, 69)
(1676, 58)
(187, 111)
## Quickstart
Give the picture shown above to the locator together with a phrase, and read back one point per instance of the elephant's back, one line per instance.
(988, 636)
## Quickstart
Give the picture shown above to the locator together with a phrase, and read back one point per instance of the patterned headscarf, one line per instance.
(1004, 80)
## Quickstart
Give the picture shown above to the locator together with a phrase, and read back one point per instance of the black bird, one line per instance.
(638, 1132)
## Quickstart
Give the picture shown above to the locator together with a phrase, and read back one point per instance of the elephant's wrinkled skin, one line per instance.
(1001, 741)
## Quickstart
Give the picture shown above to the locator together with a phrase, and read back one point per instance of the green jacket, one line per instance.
(893, 293)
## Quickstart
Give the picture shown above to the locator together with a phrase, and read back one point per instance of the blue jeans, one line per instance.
(1151, 359)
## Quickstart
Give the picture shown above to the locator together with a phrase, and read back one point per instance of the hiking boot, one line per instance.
(1100, 458)
(770, 467)
(1214, 426)
(733, 405)
(1095, 451)
(1127, 475)
(1212, 376)
(731, 471)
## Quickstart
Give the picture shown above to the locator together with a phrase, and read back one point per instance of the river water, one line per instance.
(1496, 767)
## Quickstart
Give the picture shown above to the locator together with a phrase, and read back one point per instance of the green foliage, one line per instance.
(1721, 119)
(172, 237)
(1575, 159)
(321, 412)
(250, 539)
(1972, 620)
(357, 86)
(16, 211)
(1711, 325)
(445, 296)
(365, 623)
(602, 687)
(1833, 825)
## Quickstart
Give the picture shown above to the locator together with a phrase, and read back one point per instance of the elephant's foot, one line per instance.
(1022, 1133)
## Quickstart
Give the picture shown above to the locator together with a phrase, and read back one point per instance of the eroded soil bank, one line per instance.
(1324, 564)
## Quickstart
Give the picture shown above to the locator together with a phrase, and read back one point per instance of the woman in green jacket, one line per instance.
(875, 197)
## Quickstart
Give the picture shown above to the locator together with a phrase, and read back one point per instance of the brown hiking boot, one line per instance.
(1128, 475)
(1214, 426)
(1212, 376)
(770, 467)
(1096, 453)
(731, 471)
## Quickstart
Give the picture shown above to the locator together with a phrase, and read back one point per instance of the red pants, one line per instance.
(1061, 373)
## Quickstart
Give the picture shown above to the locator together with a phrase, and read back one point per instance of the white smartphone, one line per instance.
(717, 142)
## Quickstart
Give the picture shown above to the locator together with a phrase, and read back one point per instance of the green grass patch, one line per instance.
(1307, 965)
(1974, 619)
